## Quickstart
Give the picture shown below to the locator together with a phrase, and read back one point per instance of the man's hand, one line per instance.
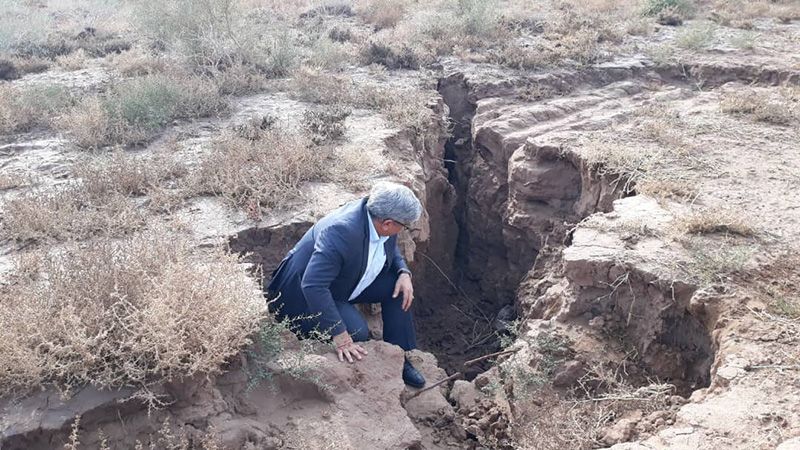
(346, 348)
(404, 285)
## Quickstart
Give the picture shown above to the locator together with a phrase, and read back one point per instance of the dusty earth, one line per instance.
(541, 236)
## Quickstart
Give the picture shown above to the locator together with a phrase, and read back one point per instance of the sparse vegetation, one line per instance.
(406, 108)
(137, 109)
(383, 13)
(127, 175)
(697, 36)
(13, 180)
(217, 34)
(764, 107)
(684, 8)
(102, 296)
(68, 212)
(713, 260)
(379, 53)
(715, 220)
(775, 283)
(745, 40)
(22, 109)
(260, 173)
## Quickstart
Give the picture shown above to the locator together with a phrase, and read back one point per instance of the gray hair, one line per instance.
(393, 201)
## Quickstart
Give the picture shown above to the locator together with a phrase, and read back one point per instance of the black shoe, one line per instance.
(411, 376)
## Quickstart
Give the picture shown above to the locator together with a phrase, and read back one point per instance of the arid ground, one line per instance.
(612, 207)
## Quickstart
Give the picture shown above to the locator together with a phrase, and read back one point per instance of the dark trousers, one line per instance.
(398, 325)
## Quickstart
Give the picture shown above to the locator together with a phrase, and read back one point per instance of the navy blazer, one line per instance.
(328, 262)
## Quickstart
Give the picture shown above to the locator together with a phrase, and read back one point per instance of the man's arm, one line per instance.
(403, 283)
(323, 267)
(398, 263)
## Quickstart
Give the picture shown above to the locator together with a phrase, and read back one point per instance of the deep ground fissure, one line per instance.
(467, 289)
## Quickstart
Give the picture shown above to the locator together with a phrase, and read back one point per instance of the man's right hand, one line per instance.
(347, 348)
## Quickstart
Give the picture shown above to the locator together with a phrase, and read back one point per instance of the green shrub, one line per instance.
(137, 109)
(683, 7)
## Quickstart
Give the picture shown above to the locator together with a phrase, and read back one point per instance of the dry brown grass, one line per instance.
(72, 61)
(569, 33)
(262, 171)
(128, 175)
(716, 220)
(137, 62)
(88, 124)
(741, 13)
(238, 79)
(407, 108)
(656, 153)
(30, 64)
(123, 313)
(13, 180)
(68, 213)
(664, 187)
(579, 421)
(764, 106)
(382, 13)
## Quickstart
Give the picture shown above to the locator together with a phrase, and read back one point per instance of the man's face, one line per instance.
(389, 227)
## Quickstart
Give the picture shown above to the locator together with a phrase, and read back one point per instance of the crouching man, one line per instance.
(350, 256)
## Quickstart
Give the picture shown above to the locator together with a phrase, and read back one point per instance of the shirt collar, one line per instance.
(373, 233)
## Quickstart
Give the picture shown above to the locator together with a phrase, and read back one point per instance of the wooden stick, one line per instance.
(438, 383)
(504, 352)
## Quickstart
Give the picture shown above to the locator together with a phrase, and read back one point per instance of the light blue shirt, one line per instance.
(375, 259)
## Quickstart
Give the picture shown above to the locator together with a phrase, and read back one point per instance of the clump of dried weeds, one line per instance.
(259, 171)
(126, 312)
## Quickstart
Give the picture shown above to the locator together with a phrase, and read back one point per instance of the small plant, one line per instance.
(384, 13)
(787, 307)
(128, 175)
(325, 125)
(715, 220)
(379, 53)
(478, 17)
(697, 37)
(762, 107)
(683, 7)
(554, 350)
(713, 260)
(745, 40)
(276, 351)
(22, 109)
(339, 34)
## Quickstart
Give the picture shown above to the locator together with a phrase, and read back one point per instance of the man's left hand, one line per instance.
(404, 285)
